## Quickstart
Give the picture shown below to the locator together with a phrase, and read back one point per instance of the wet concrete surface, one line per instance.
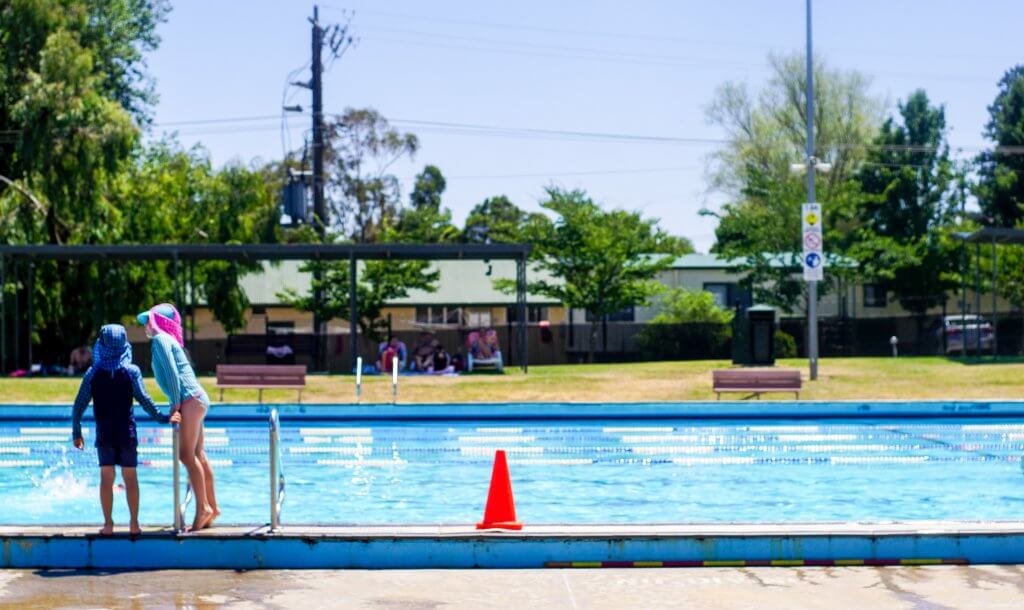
(913, 588)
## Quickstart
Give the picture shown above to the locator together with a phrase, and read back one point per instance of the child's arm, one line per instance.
(141, 395)
(81, 402)
(165, 371)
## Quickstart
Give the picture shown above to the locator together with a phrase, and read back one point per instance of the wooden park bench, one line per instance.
(261, 376)
(756, 381)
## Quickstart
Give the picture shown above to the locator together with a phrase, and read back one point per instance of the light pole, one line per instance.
(812, 167)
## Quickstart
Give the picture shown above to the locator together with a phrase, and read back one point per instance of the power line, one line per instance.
(596, 172)
(601, 54)
(647, 36)
(499, 131)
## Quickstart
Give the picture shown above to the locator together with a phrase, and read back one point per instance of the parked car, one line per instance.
(956, 328)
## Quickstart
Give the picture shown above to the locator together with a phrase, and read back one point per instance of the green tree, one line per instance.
(426, 220)
(759, 225)
(1000, 188)
(688, 322)
(601, 261)
(72, 91)
(363, 195)
(378, 283)
(495, 220)
(907, 202)
(1000, 185)
(682, 306)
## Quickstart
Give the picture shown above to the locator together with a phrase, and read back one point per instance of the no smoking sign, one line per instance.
(812, 242)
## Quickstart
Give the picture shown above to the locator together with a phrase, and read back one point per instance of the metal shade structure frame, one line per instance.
(187, 254)
(991, 236)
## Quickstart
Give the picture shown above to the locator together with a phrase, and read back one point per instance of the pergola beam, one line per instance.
(270, 252)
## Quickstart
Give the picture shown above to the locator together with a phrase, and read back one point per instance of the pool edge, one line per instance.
(594, 546)
(572, 411)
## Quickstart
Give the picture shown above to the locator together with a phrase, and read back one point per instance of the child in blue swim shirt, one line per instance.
(113, 384)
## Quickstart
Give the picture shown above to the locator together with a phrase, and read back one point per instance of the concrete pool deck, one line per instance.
(922, 588)
(537, 546)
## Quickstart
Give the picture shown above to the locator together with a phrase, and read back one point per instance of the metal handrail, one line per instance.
(276, 472)
(179, 506)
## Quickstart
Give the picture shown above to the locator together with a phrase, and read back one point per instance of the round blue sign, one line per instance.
(812, 260)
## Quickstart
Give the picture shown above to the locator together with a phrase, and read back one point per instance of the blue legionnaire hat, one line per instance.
(112, 350)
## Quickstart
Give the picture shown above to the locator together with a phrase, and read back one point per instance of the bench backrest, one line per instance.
(261, 374)
(768, 378)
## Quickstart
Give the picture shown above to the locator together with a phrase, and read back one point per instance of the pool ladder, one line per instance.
(277, 481)
(276, 472)
(179, 506)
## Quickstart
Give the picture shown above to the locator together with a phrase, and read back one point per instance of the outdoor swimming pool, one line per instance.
(563, 471)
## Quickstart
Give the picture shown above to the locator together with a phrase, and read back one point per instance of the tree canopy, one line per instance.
(759, 225)
(904, 205)
(603, 261)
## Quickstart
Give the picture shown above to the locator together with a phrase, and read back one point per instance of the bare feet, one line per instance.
(216, 513)
(134, 528)
(202, 520)
(107, 530)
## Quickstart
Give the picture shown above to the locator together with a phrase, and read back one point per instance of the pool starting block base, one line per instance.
(536, 546)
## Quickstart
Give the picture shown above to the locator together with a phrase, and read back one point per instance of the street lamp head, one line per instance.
(823, 167)
(797, 168)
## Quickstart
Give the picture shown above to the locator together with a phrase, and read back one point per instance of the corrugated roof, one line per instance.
(461, 283)
(713, 261)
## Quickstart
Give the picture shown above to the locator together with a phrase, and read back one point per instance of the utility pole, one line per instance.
(812, 285)
(319, 207)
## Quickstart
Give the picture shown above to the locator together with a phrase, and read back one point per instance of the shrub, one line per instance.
(785, 345)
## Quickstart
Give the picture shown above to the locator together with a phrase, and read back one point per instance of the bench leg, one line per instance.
(300, 395)
(718, 396)
(222, 395)
(260, 394)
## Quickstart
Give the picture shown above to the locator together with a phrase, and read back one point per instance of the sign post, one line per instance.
(813, 254)
(813, 262)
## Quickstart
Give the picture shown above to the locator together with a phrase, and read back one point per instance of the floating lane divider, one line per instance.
(774, 563)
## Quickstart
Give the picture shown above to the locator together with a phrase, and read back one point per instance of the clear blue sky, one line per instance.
(645, 67)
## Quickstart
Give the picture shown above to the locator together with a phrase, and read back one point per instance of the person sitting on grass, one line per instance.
(112, 384)
(393, 347)
(423, 353)
(441, 362)
(388, 356)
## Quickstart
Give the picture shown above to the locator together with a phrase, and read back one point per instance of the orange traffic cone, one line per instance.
(500, 512)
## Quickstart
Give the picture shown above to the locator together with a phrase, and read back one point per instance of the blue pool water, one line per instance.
(621, 471)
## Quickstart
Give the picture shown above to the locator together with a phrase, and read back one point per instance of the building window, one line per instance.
(623, 315)
(728, 295)
(478, 319)
(720, 292)
(438, 315)
(875, 296)
(534, 313)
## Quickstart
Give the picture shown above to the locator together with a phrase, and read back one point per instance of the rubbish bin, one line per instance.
(753, 337)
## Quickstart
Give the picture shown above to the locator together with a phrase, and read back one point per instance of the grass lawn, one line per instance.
(932, 378)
